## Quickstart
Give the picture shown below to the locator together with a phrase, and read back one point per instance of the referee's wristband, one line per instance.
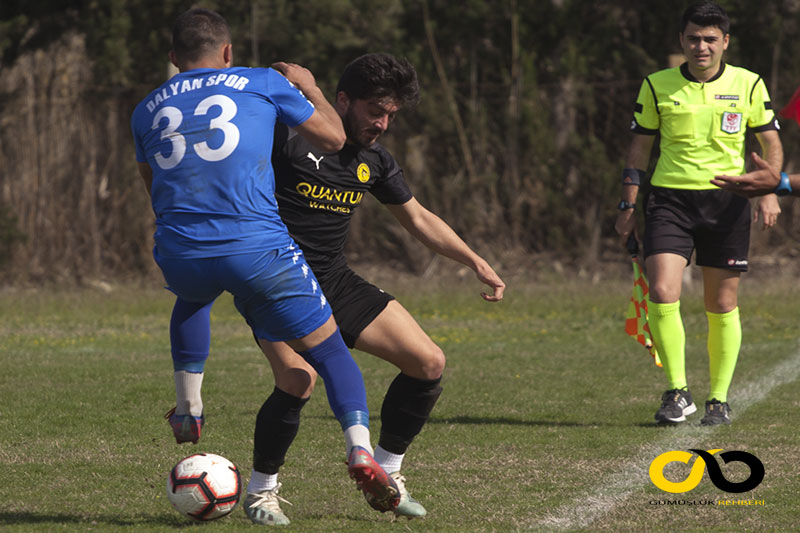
(785, 186)
(633, 176)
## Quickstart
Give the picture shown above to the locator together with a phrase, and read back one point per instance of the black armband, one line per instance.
(633, 176)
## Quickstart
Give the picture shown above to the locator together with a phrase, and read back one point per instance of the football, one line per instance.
(204, 486)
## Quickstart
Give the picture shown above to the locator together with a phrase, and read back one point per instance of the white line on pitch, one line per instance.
(616, 488)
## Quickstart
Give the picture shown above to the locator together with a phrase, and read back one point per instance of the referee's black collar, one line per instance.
(688, 75)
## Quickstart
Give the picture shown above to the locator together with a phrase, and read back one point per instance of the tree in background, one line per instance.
(518, 140)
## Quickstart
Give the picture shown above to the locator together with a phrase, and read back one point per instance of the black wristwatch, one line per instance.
(624, 205)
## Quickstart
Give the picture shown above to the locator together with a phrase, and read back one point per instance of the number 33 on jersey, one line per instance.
(222, 122)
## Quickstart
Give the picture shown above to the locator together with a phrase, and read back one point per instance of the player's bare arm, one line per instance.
(437, 235)
(638, 157)
(147, 175)
(324, 128)
(758, 182)
(768, 207)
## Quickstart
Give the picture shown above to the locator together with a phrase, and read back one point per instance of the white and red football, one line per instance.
(204, 486)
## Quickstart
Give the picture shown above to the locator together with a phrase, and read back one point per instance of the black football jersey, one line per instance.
(317, 192)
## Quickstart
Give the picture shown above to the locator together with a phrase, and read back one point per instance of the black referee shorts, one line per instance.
(355, 302)
(714, 222)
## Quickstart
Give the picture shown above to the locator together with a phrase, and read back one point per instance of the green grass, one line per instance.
(545, 420)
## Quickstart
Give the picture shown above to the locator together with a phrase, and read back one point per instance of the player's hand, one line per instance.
(625, 225)
(488, 276)
(756, 183)
(768, 208)
(300, 76)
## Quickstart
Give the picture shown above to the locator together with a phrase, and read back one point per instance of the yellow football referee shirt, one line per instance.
(702, 125)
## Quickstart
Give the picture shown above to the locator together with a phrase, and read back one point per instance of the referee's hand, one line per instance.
(625, 225)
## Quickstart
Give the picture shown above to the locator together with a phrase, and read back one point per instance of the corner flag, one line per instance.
(636, 319)
(792, 109)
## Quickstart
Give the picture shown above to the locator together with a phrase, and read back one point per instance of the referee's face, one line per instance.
(703, 47)
(366, 120)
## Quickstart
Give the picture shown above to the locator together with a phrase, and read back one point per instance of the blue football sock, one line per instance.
(344, 383)
(190, 335)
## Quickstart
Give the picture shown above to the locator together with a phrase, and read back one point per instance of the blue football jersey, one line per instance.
(207, 134)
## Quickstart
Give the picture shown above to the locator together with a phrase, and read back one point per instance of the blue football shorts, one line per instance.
(275, 291)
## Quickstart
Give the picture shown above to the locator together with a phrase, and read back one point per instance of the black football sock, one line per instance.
(406, 407)
(276, 427)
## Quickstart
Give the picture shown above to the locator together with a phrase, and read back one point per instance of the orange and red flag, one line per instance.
(636, 319)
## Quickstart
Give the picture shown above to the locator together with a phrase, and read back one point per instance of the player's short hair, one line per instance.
(197, 33)
(378, 76)
(706, 14)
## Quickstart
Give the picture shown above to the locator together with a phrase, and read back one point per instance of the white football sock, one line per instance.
(390, 462)
(260, 482)
(357, 435)
(187, 393)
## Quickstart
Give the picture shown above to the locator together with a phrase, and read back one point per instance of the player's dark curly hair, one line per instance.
(377, 76)
(198, 32)
(705, 14)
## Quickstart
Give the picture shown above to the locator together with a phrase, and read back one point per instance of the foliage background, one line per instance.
(518, 140)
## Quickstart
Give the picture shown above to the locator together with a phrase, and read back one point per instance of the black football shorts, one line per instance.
(714, 222)
(355, 302)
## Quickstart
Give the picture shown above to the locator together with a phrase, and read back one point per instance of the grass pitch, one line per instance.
(545, 423)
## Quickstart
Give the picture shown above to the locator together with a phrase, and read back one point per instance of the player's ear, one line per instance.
(342, 101)
(173, 59)
(227, 55)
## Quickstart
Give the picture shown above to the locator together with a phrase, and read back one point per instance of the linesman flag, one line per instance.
(636, 319)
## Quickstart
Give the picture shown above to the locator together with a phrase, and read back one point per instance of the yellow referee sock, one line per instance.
(724, 342)
(669, 337)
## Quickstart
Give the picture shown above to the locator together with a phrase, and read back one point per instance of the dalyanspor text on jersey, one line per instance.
(232, 80)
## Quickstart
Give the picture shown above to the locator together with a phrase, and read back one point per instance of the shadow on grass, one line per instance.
(8, 518)
(507, 421)
(533, 423)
